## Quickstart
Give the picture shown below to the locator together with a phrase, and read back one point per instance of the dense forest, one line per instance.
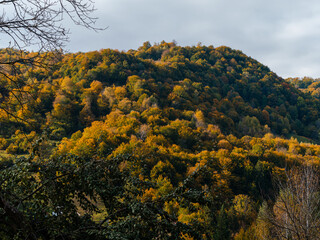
(162, 142)
(307, 85)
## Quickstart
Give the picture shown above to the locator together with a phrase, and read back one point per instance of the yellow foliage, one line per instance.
(149, 195)
(120, 92)
(224, 144)
(242, 205)
(187, 237)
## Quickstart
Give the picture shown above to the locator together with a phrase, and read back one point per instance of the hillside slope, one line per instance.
(163, 142)
(233, 91)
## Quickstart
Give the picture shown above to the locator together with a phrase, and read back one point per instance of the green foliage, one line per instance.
(54, 199)
(222, 229)
(163, 142)
(250, 126)
(228, 88)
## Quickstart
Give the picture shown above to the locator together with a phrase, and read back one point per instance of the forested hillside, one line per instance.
(307, 85)
(163, 142)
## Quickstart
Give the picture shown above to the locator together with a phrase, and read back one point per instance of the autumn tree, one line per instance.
(36, 25)
(61, 197)
(296, 212)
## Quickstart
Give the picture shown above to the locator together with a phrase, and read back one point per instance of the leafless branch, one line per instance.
(296, 213)
(37, 25)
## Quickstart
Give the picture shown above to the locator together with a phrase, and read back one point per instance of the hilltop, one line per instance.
(232, 91)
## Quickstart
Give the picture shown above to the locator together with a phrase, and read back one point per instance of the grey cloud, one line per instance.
(283, 35)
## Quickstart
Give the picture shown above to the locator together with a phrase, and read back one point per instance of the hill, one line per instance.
(228, 87)
(160, 142)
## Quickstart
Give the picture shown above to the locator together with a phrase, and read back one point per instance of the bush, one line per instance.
(13, 149)
(3, 143)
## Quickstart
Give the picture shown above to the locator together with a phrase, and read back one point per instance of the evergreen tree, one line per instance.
(222, 231)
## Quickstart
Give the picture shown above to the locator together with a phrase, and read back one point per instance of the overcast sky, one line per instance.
(282, 34)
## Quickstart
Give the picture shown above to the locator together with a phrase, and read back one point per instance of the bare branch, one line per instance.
(37, 25)
(296, 213)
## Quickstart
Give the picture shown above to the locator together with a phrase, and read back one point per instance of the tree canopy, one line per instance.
(163, 142)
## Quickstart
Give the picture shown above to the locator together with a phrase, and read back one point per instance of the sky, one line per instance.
(282, 34)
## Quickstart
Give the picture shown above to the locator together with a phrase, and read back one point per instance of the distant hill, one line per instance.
(307, 85)
(232, 90)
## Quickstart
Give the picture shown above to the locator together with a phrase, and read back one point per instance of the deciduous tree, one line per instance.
(296, 212)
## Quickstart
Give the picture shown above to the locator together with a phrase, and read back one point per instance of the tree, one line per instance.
(250, 126)
(296, 212)
(222, 230)
(35, 25)
(62, 197)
